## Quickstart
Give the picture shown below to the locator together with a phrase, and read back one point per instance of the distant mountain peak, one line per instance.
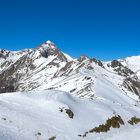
(48, 45)
(49, 42)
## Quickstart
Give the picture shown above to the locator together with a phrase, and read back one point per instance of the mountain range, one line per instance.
(46, 67)
(81, 98)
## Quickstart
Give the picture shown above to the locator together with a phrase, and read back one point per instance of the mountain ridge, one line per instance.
(46, 94)
(47, 67)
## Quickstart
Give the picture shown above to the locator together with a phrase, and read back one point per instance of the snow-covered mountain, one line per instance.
(52, 109)
(46, 67)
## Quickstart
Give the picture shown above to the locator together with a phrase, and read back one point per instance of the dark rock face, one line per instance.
(50, 50)
(114, 122)
(133, 85)
(10, 77)
(7, 82)
(68, 112)
(115, 64)
(131, 81)
(120, 69)
(67, 66)
(6, 88)
(134, 120)
(64, 71)
(4, 54)
(52, 138)
(97, 62)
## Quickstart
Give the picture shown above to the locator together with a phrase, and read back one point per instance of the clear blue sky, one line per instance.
(105, 29)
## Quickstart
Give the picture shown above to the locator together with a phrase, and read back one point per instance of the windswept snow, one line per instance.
(37, 116)
(133, 63)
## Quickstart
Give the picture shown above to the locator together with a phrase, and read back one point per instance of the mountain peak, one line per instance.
(48, 45)
(49, 42)
(50, 49)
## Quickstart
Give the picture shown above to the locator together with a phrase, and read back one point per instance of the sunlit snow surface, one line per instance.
(40, 115)
(24, 115)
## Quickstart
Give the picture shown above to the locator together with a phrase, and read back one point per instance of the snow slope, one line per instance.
(37, 116)
(133, 62)
(128, 134)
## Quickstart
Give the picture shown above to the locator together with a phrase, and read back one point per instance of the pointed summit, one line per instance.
(50, 49)
(48, 45)
(49, 42)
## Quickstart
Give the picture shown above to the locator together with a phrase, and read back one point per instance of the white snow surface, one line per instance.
(24, 115)
(133, 63)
